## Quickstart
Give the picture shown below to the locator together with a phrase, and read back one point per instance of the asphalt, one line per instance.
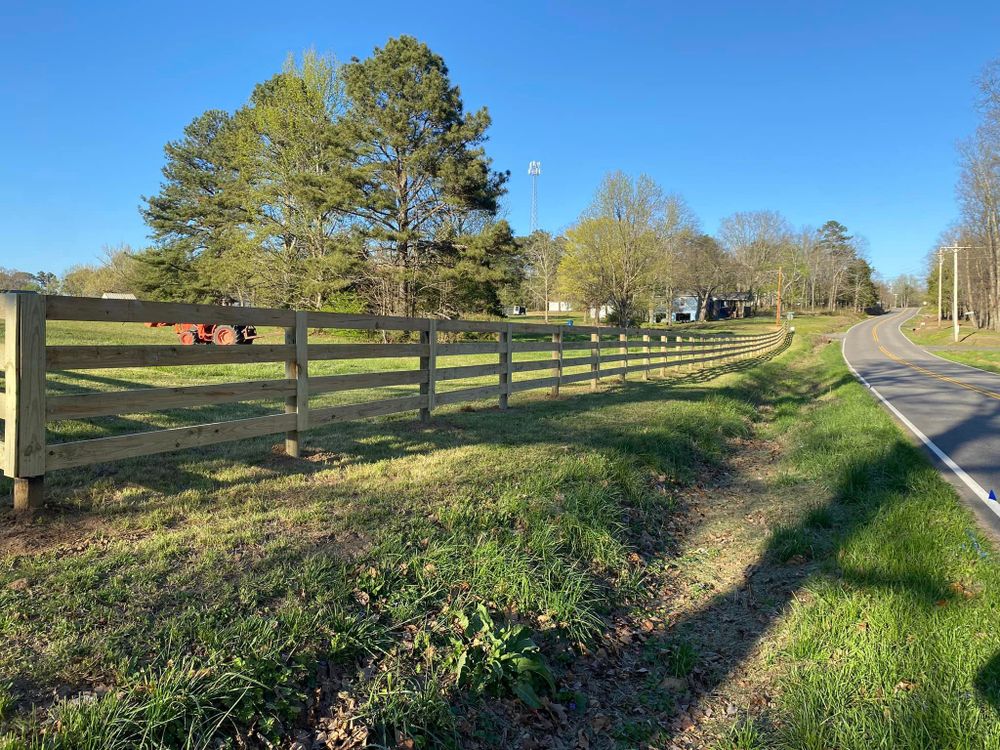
(952, 409)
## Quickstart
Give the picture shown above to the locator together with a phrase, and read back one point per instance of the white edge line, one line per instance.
(972, 484)
(938, 356)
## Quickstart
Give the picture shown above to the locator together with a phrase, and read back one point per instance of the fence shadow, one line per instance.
(988, 682)
(733, 623)
(352, 442)
(538, 420)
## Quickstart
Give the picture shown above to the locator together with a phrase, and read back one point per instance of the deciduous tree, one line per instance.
(703, 268)
(542, 255)
(619, 250)
(756, 242)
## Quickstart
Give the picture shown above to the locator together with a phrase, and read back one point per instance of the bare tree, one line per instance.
(703, 268)
(754, 240)
(979, 198)
(618, 251)
(542, 254)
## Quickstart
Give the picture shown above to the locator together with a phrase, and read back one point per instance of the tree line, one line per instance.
(366, 187)
(977, 229)
(637, 247)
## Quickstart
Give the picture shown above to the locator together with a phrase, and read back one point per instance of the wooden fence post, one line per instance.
(557, 339)
(645, 356)
(297, 369)
(428, 364)
(623, 349)
(8, 451)
(595, 360)
(663, 348)
(506, 358)
(24, 383)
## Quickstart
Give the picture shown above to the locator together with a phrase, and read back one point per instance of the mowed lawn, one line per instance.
(402, 580)
(114, 379)
(976, 346)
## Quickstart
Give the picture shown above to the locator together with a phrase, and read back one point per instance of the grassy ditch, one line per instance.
(524, 578)
(890, 641)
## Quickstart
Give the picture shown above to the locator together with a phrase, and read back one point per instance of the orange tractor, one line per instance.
(211, 333)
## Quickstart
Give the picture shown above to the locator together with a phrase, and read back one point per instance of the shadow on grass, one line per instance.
(360, 442)
(988, 682)
(727, 628)
(730, 624)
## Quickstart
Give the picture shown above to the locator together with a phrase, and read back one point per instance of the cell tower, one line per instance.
(534, 169)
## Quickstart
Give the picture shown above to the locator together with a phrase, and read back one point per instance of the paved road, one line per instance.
(953, 409)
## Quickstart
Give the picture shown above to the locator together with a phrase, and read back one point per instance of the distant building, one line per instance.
(557, 306)
(722, 306)
(684, 309)
(118, 295)
(599, 313)
(729, 305)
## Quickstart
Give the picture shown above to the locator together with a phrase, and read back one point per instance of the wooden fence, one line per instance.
(578, 354)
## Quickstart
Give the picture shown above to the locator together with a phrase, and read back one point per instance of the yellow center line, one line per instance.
(929, 373)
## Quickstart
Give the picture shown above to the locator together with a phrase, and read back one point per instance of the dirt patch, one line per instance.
(65, 533)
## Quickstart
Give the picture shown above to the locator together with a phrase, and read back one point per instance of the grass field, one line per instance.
(977, 347)
(598, 570)
(83, 333)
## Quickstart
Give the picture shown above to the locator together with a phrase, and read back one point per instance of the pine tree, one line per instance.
(193, 213)
(419, 162)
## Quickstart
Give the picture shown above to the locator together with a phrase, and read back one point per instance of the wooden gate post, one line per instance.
(24, 383)
(663, 348)
(506, 357)
(429, 365)
(557, 339)
(297, 369)
(595, 360)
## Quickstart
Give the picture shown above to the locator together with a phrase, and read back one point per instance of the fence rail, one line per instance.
(26, 455)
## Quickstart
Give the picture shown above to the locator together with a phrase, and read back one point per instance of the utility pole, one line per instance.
(954, 282)
(777, 318)
(954, 297)
(940, 283)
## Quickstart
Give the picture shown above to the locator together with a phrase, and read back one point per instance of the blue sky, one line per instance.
(844, 110)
